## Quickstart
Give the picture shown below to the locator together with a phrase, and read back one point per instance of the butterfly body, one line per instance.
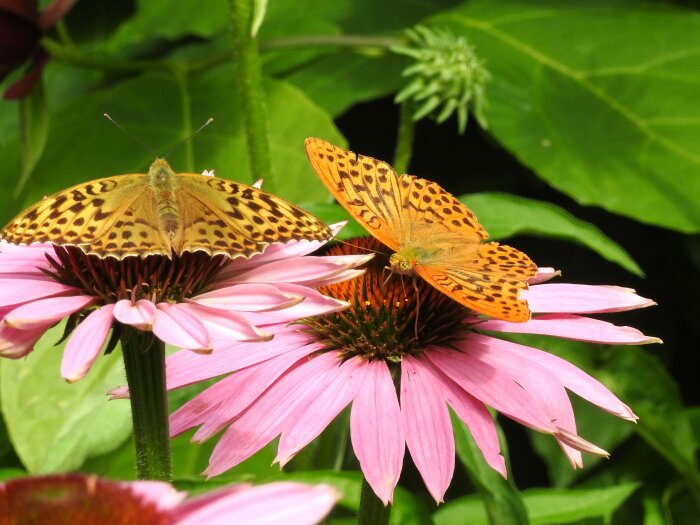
(164, 213)
(433, 235)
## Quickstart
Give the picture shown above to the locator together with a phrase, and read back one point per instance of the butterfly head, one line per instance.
(403, 262)
(160, 170)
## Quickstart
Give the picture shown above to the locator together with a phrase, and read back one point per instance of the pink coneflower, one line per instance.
(89, 500)
(193, 301)
(400, 377)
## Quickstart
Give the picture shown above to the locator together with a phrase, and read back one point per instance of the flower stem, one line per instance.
(144, 360)
(351, 41)
(372, 509)
(250, 90)
(404, 139)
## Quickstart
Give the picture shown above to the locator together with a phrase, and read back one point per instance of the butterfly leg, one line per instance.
(388, 277)
(414, 281)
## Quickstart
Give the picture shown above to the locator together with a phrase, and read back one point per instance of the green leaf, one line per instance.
(10, 473)
(259, 9)
(642, 382)
(505, 215)
(331, 213)
(612, 120)
(34, 128)
(54, 426)
(553, 506)
(597, 426)
(468, 509)
(149, 107)
(501, 500)
(170, 20)
(407, 508)
(544, 506)
(338, 81)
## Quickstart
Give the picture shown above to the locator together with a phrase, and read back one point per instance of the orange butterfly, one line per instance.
(433, 234)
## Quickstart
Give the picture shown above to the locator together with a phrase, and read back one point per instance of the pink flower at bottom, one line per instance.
(193, 301)
(401, 376)
(89, 500)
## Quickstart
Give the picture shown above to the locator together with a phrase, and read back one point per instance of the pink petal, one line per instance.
(487, 384)
(545, 388)
(24, 259)
(20, 291)
(319, 413)
(270, 413)
(85, 343)
(16, 343)
(141, 314)
(569, 375)
(218, 405)
(160, 494)
(45, 312)
(184, 368)
(118, 392)
(426, 422)
(225, 326)
(314, 303)
(573, 327)
(376, 430)
(272, 504)
(544, 274)
(305, 270)
(275, 252)
(581, 298)
(345, 275)
(175, 325)
(247, 298)
(475, 415)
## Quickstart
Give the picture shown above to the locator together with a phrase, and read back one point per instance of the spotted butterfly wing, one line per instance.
(161, 213)
(489, 282)
(367, 188)
(437, 236)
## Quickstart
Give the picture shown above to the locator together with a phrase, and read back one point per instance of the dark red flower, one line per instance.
(21, 29)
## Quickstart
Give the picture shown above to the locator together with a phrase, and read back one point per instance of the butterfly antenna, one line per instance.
(129, 134)
(200, 128)
(359, 247)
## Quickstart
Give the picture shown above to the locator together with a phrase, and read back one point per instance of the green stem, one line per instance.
(372, 510)
(404, 140)
(250, 90)
(354, 41)
(144, 360)
(73, 55)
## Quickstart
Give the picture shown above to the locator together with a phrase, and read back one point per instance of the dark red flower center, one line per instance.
(74, 499)
(391, 315)
(155, 277)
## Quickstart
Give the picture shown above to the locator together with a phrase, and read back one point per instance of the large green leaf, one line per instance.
(338, 81)
(599, 100)
(55, 426)
(506, 215)
(162, 110)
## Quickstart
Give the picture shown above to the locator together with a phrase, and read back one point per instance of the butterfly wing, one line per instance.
(103, 217)
(367, 188)
(489, 282)
(426, 203)
(225, 217)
